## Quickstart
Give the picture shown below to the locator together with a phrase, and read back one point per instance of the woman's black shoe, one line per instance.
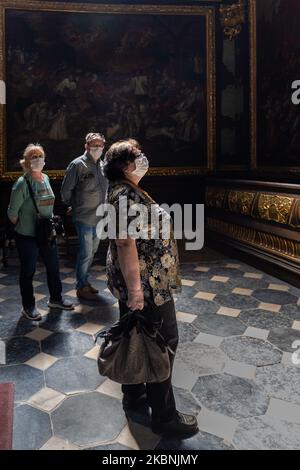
(31, 314)
(181, 424)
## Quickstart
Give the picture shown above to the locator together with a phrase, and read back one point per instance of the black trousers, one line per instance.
(28, 251)
(160, 395)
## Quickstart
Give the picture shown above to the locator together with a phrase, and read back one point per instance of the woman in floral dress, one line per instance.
(142, 269)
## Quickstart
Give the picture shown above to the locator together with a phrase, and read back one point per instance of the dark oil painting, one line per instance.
(124, 75)
(278, 119)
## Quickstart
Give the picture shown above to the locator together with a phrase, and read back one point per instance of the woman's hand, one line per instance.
(14, 220)
(135, 299)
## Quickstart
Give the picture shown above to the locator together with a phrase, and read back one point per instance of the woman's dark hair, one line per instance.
(117, 158)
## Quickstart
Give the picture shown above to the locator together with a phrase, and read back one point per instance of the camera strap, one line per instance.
(32, 196)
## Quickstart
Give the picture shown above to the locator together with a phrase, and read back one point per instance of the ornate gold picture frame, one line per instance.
(274, 142)
(141, 71)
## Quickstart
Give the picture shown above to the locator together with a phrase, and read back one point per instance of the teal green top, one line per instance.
(21, 205)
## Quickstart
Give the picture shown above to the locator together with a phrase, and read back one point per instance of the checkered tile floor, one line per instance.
(234, 367)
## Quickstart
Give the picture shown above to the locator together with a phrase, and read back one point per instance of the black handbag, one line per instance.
(134, 351)
(45, 233)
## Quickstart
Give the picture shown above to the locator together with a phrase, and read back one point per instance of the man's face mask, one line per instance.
(96, 152)
(141, 166)
(37, 164)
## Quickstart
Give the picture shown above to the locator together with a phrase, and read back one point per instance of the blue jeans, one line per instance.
(88, 246)
(28, 251)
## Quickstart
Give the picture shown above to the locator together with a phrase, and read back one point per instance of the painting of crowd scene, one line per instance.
(125, 75)
(278, 65)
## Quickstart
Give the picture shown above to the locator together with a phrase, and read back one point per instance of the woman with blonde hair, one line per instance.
(23, 214)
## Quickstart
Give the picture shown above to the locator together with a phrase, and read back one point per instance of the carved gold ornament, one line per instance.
(215, 197)
(271, 243)
(240, 202)
(232, 17)
(275, 207)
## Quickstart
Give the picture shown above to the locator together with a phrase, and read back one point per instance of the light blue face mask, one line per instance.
(141, 166)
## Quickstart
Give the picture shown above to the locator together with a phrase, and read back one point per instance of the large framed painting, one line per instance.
(140, 71)
(275, 66)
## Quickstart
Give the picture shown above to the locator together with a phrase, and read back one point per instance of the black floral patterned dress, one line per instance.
(156, 246)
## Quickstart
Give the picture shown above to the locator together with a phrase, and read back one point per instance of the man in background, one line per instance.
(84, 187)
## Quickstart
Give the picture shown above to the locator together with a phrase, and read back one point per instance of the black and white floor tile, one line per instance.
(234, 367)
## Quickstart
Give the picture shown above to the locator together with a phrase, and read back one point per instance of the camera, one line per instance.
(58, 226)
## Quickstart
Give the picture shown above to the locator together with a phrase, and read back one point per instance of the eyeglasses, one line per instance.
(97, 146)
(33, 157)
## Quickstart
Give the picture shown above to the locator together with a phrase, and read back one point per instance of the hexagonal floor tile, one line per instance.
(274, 296)
(88, 419)
(284, 338)
(114, 446)
(236, 301)
(186, 402)
(194, 275)
(280, 381)
(264, 319)
(201, 441)
(74, 374)
(103, 315)
(187, 332)
(188, 291)
(21, 349)
(214, 287)
(15, 326)
(248, 283)
(229, 395)
(32, 428)
(27, 380)
(201, 358)
(67, 344)
(9, 308)
(219, 325)
(293, 311)
(137, 436)
(62, 321)
(223, 271)
(196, 306)
(251, 351)
(265, 433)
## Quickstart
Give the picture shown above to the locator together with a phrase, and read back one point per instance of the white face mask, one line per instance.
(141, 166)
(96, 152)
(37, 164)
